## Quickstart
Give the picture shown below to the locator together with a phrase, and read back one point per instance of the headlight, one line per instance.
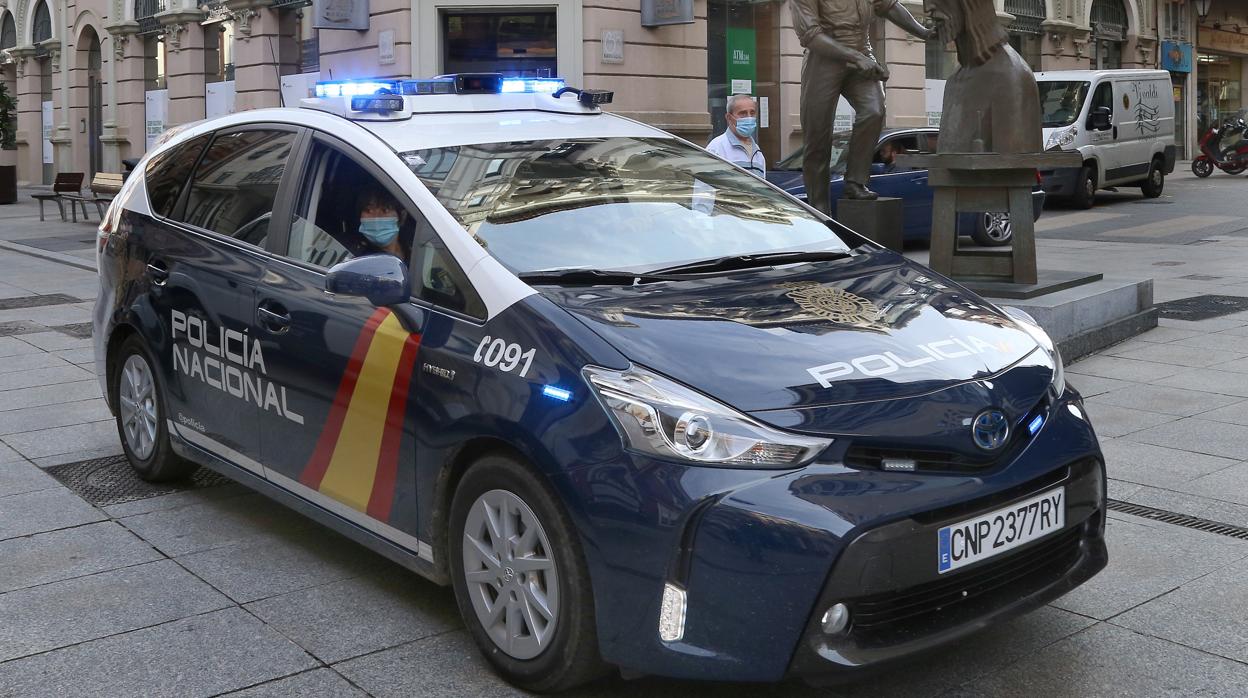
(660, 417)
(1061, 137)
(1033, 328)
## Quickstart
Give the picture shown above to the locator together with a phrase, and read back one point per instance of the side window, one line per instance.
(167, 172)
(233, 188)
(1103, 97)
(438, 279)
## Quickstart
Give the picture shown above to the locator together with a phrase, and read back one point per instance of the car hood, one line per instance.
(872, 327)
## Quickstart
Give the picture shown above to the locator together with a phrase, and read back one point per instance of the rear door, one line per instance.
(206, 257)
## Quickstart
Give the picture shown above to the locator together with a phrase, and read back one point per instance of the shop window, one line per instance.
(235, 184)
(743, 57)
(508, 42)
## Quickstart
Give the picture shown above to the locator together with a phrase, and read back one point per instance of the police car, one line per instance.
(641, 409)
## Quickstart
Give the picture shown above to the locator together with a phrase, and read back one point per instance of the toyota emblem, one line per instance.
(990, 429)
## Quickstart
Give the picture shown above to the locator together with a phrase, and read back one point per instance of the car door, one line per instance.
(206, 257)
(1138, 121)
(1103, 140)
(907, 184)
(347, 365)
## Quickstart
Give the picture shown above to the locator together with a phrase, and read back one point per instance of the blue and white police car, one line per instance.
(641, 409)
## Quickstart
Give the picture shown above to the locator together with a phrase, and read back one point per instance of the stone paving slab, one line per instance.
(49, 395)
(215, 524)
(1177, 402)
(201, 655)
(30, 419)
(44, 510)
(322, 683)
(94, 436)
(1112, 421)
(68, 553)
(1158, 466)
(1199, 436)
(18, 477)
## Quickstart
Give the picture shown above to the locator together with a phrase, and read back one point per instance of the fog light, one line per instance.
(672, 614)
(835, 619)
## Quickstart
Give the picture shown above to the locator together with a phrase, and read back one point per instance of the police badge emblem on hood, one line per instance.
(874, 327)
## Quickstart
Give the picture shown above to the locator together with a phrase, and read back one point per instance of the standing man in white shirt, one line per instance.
(737, 145)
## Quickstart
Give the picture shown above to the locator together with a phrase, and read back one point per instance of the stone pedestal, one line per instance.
(881, 219)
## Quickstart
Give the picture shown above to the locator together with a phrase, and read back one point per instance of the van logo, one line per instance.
(833, 303)
(990, 429)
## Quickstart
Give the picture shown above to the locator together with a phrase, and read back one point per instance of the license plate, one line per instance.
(997, 531)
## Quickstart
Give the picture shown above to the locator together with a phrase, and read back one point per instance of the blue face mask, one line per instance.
(380, 231)
(747, 125)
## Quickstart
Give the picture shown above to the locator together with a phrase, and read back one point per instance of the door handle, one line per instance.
(157, 272)
(275, 321)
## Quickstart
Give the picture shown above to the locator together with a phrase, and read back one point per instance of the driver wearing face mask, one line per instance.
(380, 223)
(736, 144)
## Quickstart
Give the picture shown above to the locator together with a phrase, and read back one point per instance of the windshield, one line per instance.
(612, 203)
(840, 147)
(1060, 102)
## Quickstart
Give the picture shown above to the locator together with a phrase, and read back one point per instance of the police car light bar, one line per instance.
(541, 85)
(355, 88)
(377, 103)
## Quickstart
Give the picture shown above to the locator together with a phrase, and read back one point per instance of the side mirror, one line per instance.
(381, 278)
(1100, 118)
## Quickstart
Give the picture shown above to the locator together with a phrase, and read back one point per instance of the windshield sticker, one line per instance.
(873, 365)
(833, 303)
(227, 360)
(503, 354)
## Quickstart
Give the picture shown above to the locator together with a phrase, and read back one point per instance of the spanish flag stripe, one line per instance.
(353, 466)
(314, 472)
(382, 497)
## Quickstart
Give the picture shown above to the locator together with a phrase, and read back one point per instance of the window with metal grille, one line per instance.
(1109, 19)
(42, 27)
(145, 14)
(8, 32)
(1028, 14)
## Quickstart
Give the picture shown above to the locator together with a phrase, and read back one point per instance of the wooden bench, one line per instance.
(67, 187)
(104, 186)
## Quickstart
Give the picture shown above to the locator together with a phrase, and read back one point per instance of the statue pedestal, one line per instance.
(881, 219)
(976, 182)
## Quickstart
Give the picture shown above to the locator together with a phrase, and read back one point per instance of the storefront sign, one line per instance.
(218, 99)
(157, 105)
(1176, 56)
(340, 14)
(1210, 39)
(612, 45)
(656, 13)
(739, 45)
(47, 132)
(934, 100)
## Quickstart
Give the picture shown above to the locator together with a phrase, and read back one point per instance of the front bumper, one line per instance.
(1063, 181)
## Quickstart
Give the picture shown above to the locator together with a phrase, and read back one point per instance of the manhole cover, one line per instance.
(1200, 277)
(1202, 307)
(1168, 264)
(111, 480)
(36, 301)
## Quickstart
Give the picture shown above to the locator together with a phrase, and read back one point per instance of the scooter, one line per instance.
(1225, 148)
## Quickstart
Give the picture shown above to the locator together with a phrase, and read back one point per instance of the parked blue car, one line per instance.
(910, 185)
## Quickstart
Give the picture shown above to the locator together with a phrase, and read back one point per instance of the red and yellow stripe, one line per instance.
(356, 459)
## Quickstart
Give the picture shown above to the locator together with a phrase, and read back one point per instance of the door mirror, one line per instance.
(381, 278)
(877, 168)
(1100, 118)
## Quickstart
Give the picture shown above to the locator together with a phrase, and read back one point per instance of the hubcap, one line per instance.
(1157, 177)
(137, 395)
(997, 226)
(510, 574)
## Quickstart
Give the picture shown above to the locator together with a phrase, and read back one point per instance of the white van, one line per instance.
(1121, 121)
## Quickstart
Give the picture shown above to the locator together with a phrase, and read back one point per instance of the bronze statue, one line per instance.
(839, 61)
(992, 104)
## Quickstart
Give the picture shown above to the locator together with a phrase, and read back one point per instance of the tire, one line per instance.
(141, 417)
(993, 229)
(1202, 167)
(1155, 182)
(1234, 170)
(1085, 188)
(545, 659)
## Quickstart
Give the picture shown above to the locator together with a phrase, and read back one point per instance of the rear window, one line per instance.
(235, 185)
(167, 172)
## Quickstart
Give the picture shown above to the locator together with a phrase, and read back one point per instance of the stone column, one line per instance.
(257, 35)
(123, 95)
(184, 64)
(29, 116)
(62, 140)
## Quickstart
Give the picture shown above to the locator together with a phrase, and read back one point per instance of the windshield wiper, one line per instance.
(574, 277)
(747, 261)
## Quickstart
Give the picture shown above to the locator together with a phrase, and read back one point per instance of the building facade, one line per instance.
(97, 81)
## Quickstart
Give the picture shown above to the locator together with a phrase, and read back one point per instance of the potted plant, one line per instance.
(8, 147)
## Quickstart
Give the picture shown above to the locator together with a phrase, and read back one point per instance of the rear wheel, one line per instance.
(1202, 167)
(520, 578)
(1156, 180)
(1234, 169)
(993, 229)
(1085, 188)
(141, 417)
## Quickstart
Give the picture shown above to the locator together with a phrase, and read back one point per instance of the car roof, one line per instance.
(1078, 75)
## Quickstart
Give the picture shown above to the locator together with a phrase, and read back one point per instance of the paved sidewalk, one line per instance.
(209, 591)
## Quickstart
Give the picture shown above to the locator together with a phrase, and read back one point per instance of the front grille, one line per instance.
(888, 619)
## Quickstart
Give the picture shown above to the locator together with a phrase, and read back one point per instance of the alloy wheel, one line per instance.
(137, 395)
(510, 574)
(997, 226)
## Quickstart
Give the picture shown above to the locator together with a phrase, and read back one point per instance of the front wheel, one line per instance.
(1202, 167)
(1155, 182)
(1085, 188)
(141, 418)
(520, 578)
(993, 229)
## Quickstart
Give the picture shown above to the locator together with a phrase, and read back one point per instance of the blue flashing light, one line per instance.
(1035, 424)
(560, 394)
(355, 88)
(539, 85)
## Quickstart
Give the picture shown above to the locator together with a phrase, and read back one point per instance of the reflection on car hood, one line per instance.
(868, 328)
